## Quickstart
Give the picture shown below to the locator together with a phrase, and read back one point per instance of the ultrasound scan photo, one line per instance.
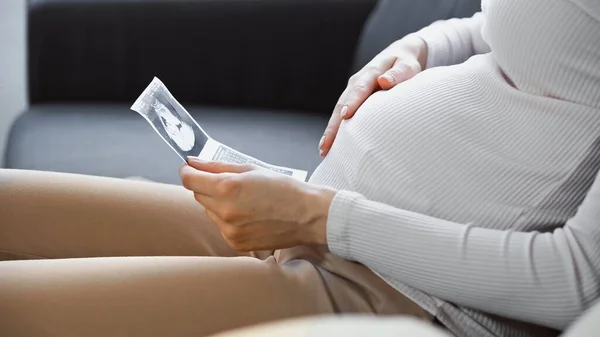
(184, 135)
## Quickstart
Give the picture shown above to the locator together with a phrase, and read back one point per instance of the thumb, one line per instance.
(402, 70)
(217, 166)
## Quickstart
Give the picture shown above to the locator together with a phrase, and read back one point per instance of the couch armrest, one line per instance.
(346, 325)
(287, 54)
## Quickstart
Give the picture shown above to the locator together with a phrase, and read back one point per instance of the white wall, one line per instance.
(12, 65)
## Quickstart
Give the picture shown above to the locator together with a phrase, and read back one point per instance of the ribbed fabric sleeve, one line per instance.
(454, 41)
(545, 278)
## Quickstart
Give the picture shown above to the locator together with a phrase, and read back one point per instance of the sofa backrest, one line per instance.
(393, 19)
(262, 53)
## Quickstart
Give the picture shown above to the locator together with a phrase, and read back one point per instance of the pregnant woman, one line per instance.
(460, 196)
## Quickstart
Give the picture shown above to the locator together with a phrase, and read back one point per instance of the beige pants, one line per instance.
(88, 256)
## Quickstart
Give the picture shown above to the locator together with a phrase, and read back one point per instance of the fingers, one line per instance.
(198, 181)
(214, 218)
(218, 167)
(360, 87)
(224, 209)
(233, 233)
(332, 127)
(206, 201)
(209, 177)
(403, 70)
(227, 231)
(216, 192)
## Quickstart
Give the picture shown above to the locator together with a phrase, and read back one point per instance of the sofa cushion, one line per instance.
(111, 140)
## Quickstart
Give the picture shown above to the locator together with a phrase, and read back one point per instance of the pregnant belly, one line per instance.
(400, 142)
(441, 141)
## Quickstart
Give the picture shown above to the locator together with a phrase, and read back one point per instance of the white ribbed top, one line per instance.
(461, 186)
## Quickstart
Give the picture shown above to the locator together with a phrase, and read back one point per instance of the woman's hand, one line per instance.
(399, 62)
(256, 209)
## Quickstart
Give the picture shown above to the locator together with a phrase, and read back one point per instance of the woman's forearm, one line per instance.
(453, 41)
(547, 279)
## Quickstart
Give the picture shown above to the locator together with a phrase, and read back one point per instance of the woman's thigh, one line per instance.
(62, 216)
(153, 296)
(57, 215)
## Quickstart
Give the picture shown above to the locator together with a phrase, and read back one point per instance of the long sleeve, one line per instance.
(454, 41)
(542, 278)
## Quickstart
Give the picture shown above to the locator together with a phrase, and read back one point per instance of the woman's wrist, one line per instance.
(317, 200)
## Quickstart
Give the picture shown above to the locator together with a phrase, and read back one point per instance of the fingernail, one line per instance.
(322, 141)
(344, 111)
(321, 153)
(195, 159)
(389, 78)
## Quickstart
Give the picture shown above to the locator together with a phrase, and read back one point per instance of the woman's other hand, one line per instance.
(256, 209)
(399, 62)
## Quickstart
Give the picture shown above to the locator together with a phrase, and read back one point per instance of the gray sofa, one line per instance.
(261, 76)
